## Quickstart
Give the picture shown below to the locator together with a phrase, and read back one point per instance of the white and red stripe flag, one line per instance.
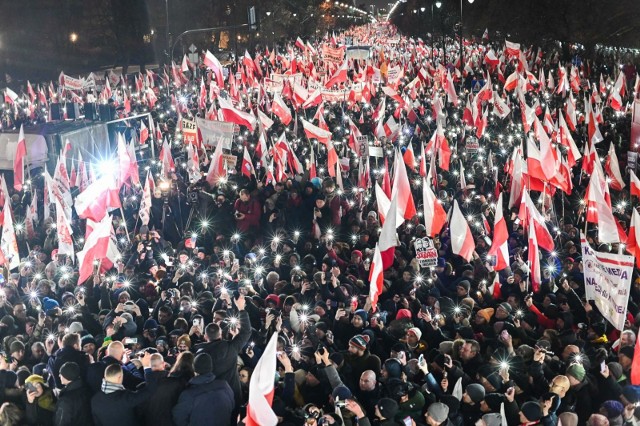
(261, 388)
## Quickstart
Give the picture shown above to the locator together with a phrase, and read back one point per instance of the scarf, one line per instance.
(46, 401)
(108, 387)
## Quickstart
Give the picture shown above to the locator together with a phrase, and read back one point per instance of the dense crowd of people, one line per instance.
(170, 333)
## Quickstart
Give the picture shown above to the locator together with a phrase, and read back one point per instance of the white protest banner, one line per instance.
(332, 54)
(607, 280)
(393, 74)
(275, 84)
(214, 132)
(189, 132)
(376, 151)
(72, 83)
(341, 95)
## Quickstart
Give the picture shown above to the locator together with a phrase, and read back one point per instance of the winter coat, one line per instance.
(204, 399)
(74, 405)
(224, 354)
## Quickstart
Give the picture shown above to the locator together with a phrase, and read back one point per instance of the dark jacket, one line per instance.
(157, 410)
(74, 406)
(205, 399)
(118, 408)
(35, 415)
(62, 356)
(224, 354)
(95, 373)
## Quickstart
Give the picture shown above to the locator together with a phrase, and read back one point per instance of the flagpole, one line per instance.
(124, 221)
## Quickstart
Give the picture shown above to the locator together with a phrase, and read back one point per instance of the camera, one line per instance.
(192, 194)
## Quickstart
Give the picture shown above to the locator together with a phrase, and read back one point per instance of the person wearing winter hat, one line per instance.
(41, 404)
(88, 345)
(483, 316)
(612, 409)
(363, 317)
(503, 312)
(530, 412)
(391, 369)
(205, 398)
(575, 373)
(358, 357)
(49, 304)
(625, 358)
(74, 401)
(341, 393)
(386, 409)
(403, 314)
(462, 289)
(437, 414)
(184, 343)
(471, 403)
(76, 327)
(580, 392)
(473, 394)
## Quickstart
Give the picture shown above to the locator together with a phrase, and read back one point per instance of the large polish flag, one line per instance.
(387, 242)
(500, 247)
(462, 242)
(261, 388)
(376, 278)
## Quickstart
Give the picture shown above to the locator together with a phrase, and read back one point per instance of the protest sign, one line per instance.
(332, 54)
(426, 252)
(607, 280)
(189, 131)
(71, 83)
(472, 145)
(214, 132)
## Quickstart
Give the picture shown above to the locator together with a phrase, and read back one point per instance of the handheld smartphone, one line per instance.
(407, 421)
(603, 366)
(130, 341)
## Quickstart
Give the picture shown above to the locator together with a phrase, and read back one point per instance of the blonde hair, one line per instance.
(10, 414)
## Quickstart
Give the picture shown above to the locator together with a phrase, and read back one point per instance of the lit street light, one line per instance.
(73, 37)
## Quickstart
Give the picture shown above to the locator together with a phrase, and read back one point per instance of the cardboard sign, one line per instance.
(376, 151)
(472, 146)
(393, 74)
(632, 161)
(189, 131)
(215, 132)
(229, 160)
(426, 253)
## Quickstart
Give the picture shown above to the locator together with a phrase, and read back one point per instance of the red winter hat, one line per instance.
(403, 313)
(273, 298)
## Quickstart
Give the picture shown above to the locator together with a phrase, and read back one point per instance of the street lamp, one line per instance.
(166, 28)
(438, 4)
(73, 37)
(461, 43)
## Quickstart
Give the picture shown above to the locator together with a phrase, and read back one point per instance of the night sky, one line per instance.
(37, 40)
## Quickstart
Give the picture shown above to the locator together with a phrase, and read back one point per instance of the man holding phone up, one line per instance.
(224, 353)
